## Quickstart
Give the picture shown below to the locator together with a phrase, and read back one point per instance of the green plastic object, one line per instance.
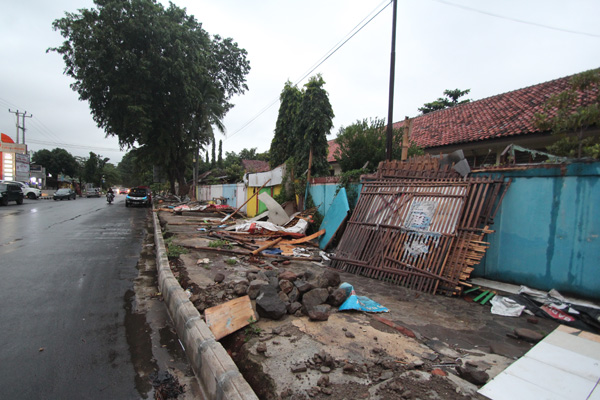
(481, 296)
(488, 297)
(471, 290)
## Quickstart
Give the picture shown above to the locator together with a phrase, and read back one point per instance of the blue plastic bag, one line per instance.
(359, 303)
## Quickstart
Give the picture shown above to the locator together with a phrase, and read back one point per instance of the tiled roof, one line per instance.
(255, 166)
(333, 147)
(503, 115)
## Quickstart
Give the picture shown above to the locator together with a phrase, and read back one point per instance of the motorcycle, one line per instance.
(110, 197)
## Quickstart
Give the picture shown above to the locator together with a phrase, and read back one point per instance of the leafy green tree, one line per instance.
(57, 161)
(286, 135)
(571, 114)
(315, 123)
(365, 141)
(152, 77)
(450, 100)
(134, 170)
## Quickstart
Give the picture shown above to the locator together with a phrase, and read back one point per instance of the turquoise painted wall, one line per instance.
(323, 195)
(548, 231)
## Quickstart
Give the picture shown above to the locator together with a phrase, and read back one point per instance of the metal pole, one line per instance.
(25, 116)
(390, 119)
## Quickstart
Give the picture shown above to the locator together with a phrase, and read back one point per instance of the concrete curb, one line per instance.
(217, 374)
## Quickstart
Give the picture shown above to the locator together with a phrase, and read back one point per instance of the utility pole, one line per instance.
(390, 120)
(24, 115)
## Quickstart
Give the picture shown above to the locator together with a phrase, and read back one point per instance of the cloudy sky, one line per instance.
(488, 47)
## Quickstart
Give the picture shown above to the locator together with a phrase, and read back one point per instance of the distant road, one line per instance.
(66, 279)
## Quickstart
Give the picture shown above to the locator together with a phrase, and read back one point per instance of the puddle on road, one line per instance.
(140, 345)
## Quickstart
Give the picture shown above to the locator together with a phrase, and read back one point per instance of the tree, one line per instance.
(286, 135)
(571, 113)
(220, 159)
(57, 161)
(450, 100)
(315, 122)
(365, 141)
(213, 163)
(152, 77)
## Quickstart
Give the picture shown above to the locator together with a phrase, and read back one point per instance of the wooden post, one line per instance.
(249, 198)
(405, 135)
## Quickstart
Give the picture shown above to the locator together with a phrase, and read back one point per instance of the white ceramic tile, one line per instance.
(566, 360)
(508, 387)
(574, 343)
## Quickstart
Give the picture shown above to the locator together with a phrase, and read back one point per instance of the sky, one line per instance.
(489, 47)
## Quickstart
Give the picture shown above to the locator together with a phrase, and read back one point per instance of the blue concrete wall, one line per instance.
(547, 231)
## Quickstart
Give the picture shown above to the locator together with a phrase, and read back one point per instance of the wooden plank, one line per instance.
(305, 239)
(229, 317)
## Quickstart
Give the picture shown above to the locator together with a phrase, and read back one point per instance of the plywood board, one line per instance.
(229, 317)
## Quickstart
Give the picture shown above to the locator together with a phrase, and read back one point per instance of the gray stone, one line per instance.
(303, 286)
(385, 375)
(287, 275)
(284, 297)
(286, 286)
(269, 305)
(273, 281)
(299, 368)
(328, 279)
(314, 298)
(293, 307)
(294, 295)
(261, 348)
(241, 288)
(337, 297)
(319, 313)
(254, 288)
(219, 277)
(262, 276)
(473, 375)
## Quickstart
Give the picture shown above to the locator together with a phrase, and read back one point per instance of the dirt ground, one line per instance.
(425, 347)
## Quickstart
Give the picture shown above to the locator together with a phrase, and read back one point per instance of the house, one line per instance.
(484, 128)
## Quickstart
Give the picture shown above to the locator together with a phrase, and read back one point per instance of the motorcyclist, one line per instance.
(110, 195)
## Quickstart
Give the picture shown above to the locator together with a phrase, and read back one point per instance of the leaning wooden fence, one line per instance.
(419, 224)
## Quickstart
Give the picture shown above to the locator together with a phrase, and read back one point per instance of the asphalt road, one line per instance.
(67, 271)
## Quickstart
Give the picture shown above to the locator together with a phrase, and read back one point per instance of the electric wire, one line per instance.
(324, 58)
(521, 21)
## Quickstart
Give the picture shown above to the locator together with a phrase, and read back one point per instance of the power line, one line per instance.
(78, 146)
(324, 58)
(521, 21)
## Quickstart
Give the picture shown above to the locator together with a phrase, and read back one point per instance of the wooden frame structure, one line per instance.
(419, 224)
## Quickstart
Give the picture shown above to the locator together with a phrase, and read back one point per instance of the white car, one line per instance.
(29, 192)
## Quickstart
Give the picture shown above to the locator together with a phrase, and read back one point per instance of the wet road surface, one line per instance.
(67, 271)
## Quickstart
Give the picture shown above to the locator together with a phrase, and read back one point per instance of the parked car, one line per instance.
(139, 196)
(92, 192)
(28, 191)
(10, 191)
(62, 194)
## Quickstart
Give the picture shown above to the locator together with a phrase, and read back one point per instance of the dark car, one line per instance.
(62, 194)
(10, 192)
(139, 196)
